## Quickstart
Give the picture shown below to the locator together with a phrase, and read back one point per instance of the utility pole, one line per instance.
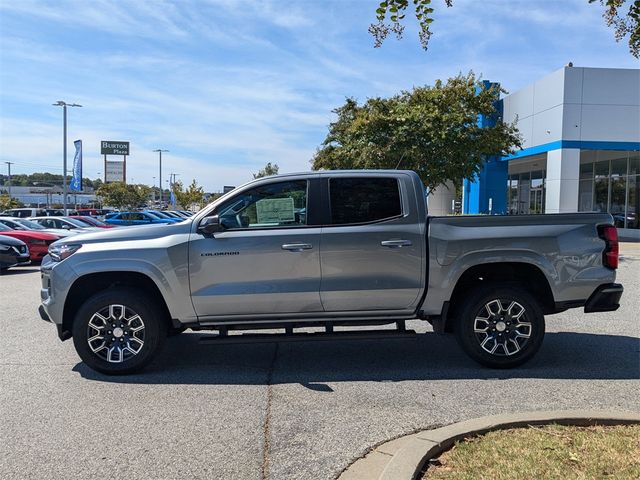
(9, 167)
(64, 106)
(159, 150)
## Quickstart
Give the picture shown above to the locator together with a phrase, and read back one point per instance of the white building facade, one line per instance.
(580, 152)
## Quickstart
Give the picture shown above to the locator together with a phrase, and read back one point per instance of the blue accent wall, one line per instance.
(581, 144)
(491, 182)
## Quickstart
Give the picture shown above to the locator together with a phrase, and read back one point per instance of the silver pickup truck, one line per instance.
(325, 249)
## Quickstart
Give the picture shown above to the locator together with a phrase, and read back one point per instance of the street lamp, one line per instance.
(64, 106)
(159, 150)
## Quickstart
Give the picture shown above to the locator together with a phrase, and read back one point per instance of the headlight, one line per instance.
(60, 252)
(4, 248)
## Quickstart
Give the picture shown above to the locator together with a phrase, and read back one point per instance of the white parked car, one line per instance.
(24, 224)
(64, 223)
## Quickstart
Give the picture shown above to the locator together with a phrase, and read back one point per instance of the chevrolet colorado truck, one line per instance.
(323, 249)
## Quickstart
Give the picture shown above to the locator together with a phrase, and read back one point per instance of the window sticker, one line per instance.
(275, 210)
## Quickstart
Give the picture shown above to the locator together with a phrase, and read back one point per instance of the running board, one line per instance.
(308, 336)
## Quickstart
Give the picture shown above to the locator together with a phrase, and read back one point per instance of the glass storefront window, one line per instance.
(634, 163)
(586, 170)
(585, 195)
(633, 202)
(602, 168)
(611, 185)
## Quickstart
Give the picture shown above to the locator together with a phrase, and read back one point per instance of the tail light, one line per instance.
(609, 234)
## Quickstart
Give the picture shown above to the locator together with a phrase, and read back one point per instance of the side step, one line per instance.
(308, 336)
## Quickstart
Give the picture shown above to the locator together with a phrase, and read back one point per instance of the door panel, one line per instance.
(249, 272)
(359, 273)
(377, 264)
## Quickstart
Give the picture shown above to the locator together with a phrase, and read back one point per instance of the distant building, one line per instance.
(581, 149)
(45, 196)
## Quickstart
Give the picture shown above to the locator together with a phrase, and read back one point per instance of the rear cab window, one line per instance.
(357, 200)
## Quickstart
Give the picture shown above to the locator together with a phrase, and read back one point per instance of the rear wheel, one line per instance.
(118, 331)
(500, 326)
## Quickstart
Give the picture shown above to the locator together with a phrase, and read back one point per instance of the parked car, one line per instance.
(91, 221)
(365, 252)
(64, 223)
(162, 215)
(13, 252)
(37, 242)
(25, 212)
(174, 214)
(134, 218)
(24, 224)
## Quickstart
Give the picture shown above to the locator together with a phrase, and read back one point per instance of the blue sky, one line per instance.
(227, 86)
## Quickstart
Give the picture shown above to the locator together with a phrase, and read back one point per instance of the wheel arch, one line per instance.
(92, 283)
(521, 274)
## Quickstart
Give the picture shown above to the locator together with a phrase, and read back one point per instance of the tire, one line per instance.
(139, 332)
(487, 331)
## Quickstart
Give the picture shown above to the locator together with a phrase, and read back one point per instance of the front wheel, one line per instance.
(500, 326)
(118, 331)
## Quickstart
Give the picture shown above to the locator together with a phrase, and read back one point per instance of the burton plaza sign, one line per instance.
(109, 147)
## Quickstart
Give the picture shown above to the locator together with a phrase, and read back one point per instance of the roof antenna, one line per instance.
(399, 161)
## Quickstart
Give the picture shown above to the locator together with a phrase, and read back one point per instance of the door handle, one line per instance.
(297, 247)
(396, 243)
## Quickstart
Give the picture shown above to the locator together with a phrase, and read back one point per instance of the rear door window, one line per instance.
(364, 200)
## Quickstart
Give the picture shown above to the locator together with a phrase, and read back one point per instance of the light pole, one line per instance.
(9, 167)
(64, 106)
(159, 150)
(153, 190)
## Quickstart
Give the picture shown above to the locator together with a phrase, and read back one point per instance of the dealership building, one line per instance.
(580, 152)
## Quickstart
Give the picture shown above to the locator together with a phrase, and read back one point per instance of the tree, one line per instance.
(432, 130)
(7, 202)
(267, 171)
(395, 11)
(123, 196)
(192, 195)
(623, 25)
(391, 13)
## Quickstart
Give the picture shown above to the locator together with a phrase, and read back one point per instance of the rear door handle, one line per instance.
(396, 243)
(297, 247)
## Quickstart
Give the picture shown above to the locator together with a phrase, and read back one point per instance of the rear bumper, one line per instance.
(606, 298)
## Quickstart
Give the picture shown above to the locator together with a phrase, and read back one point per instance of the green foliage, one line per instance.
(192, 195)
(267, 171)
(6, 202)
(123, 196)
(432, 130)
(623, 25)
(390, 14)
(44, 179)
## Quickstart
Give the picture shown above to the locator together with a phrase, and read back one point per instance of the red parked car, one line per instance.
(93, 222)
(37, 242)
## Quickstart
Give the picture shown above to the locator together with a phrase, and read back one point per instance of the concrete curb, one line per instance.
(404, 457)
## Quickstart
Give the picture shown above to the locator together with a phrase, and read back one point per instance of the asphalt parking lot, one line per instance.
(281, 411)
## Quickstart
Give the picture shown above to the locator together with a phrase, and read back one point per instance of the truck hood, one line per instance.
(120, 234)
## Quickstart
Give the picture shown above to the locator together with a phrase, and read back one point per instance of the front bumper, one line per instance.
(606, 298)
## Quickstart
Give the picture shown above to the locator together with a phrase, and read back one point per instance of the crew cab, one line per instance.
(323, 249)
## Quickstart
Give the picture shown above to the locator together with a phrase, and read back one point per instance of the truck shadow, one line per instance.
(564, 355)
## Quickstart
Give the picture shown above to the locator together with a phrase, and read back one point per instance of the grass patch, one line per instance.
(546, 452)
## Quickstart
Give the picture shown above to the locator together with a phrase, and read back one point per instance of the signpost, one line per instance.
(115, 171)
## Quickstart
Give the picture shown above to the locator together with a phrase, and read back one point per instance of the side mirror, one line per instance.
(210, 225)
(66, 227)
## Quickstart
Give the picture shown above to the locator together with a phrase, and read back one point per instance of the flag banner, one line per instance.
(173, 199)
(76, 180)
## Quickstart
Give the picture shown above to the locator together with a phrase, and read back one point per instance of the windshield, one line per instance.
(77, 223)
(30, 225)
